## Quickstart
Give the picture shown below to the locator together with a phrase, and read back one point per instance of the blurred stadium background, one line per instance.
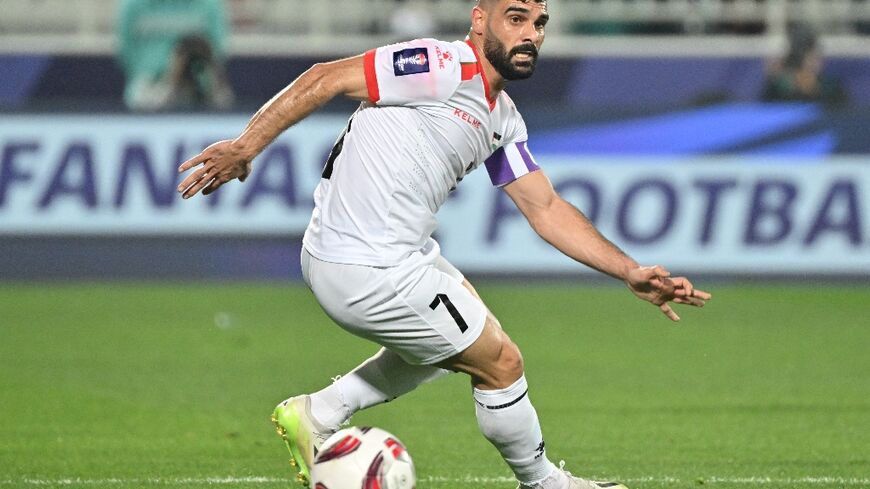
(672, 123)
(649, 115)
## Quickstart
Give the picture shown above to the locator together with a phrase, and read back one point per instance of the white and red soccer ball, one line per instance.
(363, 458)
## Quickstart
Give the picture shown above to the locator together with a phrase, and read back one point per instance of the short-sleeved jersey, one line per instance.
(428, 122)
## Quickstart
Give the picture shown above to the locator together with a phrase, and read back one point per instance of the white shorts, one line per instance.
(419, 309)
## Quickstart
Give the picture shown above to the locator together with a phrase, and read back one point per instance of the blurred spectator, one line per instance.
(172, 53)
(799, 77)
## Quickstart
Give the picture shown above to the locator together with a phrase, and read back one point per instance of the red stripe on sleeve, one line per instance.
(371, 76)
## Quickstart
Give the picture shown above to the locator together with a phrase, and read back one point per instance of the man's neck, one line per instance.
(496, 82)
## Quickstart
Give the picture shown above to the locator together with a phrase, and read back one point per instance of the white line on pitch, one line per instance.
(183, 481)
(847, 481)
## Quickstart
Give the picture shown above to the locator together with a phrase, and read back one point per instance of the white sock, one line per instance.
(381, 378)
(509, 421)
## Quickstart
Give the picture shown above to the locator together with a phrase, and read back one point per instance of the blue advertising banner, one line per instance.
(116, 176)
(703, 214)
(72, 175)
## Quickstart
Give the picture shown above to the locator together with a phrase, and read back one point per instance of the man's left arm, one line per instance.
(568, 230)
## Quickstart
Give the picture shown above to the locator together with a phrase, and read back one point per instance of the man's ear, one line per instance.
(478, 20)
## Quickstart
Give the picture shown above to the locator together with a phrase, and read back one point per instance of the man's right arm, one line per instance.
(317, 86)
(227, 160)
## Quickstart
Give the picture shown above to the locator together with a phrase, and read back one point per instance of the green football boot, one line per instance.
(302, 434)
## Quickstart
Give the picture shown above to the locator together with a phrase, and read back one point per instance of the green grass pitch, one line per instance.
(159, 385)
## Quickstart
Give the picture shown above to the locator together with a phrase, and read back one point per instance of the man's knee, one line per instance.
(493, 361)
(510, 363)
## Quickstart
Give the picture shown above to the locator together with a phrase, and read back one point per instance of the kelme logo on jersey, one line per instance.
(411, 61)
(443, 56)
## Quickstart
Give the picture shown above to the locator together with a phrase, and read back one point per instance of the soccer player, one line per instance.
(431, 112)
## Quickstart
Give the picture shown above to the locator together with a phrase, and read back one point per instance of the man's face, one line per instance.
(514, 34)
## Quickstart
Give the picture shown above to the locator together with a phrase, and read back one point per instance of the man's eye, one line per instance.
(516, 19)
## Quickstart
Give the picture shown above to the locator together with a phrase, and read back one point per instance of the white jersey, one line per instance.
(428, 122)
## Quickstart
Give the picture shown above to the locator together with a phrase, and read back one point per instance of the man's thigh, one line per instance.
(419, 310)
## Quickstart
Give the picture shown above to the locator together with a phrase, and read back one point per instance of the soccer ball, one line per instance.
(362, 458)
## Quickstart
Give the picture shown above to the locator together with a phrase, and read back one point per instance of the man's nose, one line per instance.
(530, 33)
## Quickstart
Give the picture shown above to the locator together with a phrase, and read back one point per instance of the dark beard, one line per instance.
(501, 60)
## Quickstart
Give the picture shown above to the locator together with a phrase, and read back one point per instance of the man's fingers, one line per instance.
(697, 294)
(684, 288)
(217, 182)
(665, 308)
(192, 179)
(198, 184)
(212, 151)
(657, 277)
(196, 188)
(187, 165)
(700, 294)
(655, 284)
(692, 301)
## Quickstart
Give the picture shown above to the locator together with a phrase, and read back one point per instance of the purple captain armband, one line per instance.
(510, 162)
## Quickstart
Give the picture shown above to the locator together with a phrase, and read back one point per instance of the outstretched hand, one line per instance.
(221, 162)
(655, 285)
